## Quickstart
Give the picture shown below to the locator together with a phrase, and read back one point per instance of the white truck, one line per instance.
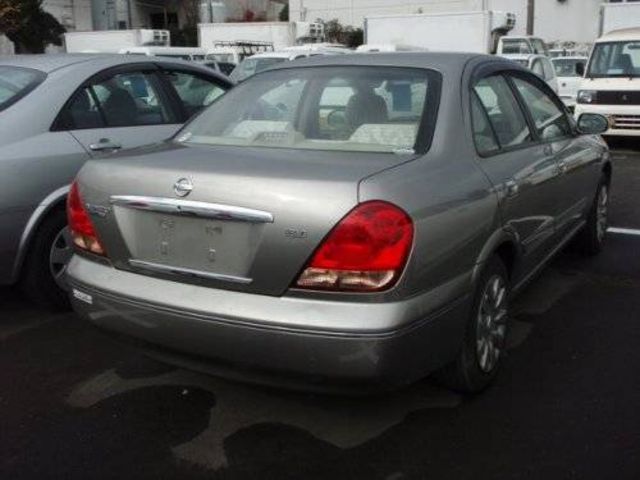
(278, 34)
(477, 32)
(616, 16)
(611, 83)
(112, 41)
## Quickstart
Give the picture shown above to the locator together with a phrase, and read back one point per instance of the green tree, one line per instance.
(28, 26)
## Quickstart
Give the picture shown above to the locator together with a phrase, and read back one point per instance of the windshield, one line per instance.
(615, 59)
(567, 67)
(251, 66)
(16, 82)
(369, 109)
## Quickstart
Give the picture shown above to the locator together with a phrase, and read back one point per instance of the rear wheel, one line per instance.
(485, 335)
(592, 237)
(44, 273)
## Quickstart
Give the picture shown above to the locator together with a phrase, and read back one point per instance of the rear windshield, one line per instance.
(16, 82)
(368, 109)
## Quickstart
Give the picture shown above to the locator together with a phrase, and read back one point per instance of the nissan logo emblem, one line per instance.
(183, 187)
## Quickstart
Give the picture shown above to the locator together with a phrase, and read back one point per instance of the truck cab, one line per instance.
(611, 85)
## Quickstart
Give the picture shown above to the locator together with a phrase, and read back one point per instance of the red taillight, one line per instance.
(82, 231)
(366, 251)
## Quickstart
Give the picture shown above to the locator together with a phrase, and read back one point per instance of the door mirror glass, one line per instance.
(580, 69)
(592, 123)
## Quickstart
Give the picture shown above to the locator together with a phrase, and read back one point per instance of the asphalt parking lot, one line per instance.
(73, 404)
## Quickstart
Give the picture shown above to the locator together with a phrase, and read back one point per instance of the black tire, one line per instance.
(37, 280)
(470, 372)
(591, 239)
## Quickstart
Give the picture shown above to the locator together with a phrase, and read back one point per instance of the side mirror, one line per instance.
(580, 69)
(592, 124)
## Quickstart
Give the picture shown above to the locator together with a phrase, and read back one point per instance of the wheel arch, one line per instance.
(503, 243)
(55, 199)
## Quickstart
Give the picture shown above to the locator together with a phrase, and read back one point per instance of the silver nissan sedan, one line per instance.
(349, 223)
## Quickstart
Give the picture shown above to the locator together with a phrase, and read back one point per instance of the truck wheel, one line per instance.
(591, 238)
(43, 277)
(485, 336)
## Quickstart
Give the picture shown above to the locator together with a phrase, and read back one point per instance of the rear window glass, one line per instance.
(369, 109)
(16, 82)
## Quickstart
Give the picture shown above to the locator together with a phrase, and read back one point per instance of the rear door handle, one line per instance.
(104, 144)
(562, 167)
(512, 188)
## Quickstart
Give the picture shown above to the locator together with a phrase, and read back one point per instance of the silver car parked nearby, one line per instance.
(342, 222)
(57, 111)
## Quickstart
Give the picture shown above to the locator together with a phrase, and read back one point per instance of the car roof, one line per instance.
(50, 62)
(622, 34)
(432, 60)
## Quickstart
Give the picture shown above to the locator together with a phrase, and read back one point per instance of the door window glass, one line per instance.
(483, 135)
(550, 120)
(504, 113)
(194, 91)
(537, 68)
(123, 100)
(548, 69)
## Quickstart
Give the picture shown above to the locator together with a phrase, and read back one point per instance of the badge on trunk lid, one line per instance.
(183, 187)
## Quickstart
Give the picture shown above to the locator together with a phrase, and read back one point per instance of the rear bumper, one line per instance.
(228, 339)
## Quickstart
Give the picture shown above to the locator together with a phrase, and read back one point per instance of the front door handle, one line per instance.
(104, 144)
(512, 188)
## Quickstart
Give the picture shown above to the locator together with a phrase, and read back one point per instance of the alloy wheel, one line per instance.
(602, 212)
(491, 324)
(59, 256)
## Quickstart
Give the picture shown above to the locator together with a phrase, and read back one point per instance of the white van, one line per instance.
(185, 53)
(611, 86)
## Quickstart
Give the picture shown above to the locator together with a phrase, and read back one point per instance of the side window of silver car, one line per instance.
(122, 100)
(483, 134)
(503, 111)
(550, 120)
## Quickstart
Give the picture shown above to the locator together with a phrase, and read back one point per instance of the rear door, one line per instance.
(521, 168)
(121, 108)
(576, 157)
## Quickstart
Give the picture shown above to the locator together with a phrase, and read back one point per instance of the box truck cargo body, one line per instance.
(111, 41)
(455, 32)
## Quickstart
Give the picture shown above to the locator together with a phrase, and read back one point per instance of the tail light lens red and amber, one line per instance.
(82, 230)
(365, 252)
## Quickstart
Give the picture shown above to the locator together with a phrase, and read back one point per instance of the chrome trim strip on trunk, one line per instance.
(187, 272)
(196, 209)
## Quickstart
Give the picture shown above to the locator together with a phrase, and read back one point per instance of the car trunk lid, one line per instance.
(230, 217)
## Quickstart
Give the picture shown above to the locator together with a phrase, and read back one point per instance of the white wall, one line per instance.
(576, 21)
